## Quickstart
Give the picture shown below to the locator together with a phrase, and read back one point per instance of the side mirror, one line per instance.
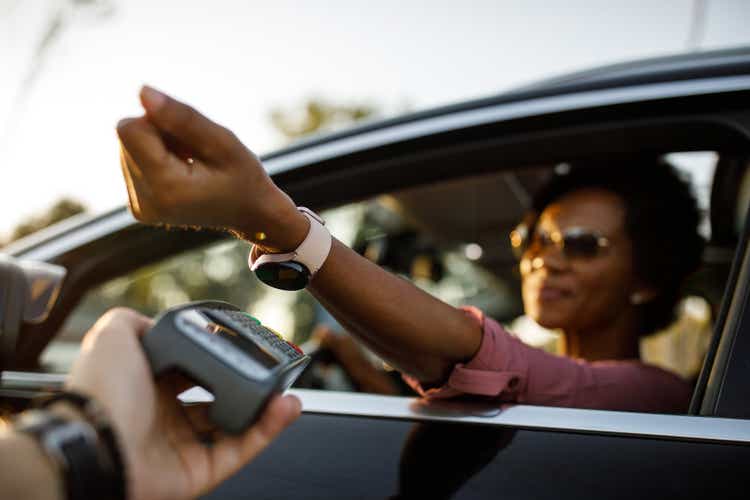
(28, 291)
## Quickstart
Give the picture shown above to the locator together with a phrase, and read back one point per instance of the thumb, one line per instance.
(229, 453)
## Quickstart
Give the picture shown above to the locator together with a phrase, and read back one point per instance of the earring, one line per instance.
(637, 298)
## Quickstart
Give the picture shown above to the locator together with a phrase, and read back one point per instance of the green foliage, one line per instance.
(317, 115)
(62, 209)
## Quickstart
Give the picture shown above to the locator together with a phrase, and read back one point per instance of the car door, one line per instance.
(365, 447)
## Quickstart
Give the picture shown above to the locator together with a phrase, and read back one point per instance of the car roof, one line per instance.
(679, 67)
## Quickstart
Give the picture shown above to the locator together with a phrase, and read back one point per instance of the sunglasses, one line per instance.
(574, 242)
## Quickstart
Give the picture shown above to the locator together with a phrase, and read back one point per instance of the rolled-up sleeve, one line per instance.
(506, 369)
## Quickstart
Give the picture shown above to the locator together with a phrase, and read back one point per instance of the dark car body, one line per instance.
(351, 445)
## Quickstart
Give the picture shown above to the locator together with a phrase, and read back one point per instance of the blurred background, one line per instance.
(276, 71)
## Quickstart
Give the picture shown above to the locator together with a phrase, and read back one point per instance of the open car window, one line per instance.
(450, 238)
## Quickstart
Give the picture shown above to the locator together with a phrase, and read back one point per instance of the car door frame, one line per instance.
(412, 152)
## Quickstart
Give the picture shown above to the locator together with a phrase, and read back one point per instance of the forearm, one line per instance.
(226, 186)
(25, 471)
(415, 332)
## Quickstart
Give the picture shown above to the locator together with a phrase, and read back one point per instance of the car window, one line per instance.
(219, 272)
(450, 238)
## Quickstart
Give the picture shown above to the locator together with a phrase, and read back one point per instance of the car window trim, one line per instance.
(617, 423)
(680, 427)
(725, 359)
(76, 237)
(501, 113)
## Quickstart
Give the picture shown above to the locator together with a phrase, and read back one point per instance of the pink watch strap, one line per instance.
(311, 253)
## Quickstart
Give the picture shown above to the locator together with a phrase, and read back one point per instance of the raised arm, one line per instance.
(182, 169)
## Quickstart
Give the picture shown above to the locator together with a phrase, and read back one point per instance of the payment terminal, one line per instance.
(227, 352)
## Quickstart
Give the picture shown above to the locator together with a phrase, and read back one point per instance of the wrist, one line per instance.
(294, 269)
(66, 410)
(75, 432)
(26, 470)
(277, 231)
(291, 230)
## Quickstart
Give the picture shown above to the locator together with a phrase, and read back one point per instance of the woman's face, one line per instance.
(579, 293)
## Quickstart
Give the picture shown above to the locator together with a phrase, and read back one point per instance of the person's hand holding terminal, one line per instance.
(161, 442)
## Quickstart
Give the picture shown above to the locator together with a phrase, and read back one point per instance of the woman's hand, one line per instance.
(360, 369)
(159, 438)
(183, 169)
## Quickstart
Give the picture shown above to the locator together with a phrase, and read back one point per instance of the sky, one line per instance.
(238, 60)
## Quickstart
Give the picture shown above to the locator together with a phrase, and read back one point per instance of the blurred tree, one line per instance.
(62, 209)
(318, 115)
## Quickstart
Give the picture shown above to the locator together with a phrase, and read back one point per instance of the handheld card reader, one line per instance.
(229, 353)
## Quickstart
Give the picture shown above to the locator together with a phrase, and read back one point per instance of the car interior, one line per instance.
(451, 238)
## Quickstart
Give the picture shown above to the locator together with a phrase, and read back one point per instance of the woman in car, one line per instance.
(586, 270)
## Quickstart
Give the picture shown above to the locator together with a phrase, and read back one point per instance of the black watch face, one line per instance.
(284, 275)
(232, 347)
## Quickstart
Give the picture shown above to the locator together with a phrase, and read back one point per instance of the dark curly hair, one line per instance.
(661, 221)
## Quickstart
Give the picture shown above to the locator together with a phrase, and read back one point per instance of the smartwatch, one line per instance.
(74, 447)
(294, 270)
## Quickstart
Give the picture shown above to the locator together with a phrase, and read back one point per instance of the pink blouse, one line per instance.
(510, 371)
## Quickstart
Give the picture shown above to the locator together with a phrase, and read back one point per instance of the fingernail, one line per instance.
(152, 98)
(123, 122)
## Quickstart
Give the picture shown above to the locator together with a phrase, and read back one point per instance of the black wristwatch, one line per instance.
(74, 446)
